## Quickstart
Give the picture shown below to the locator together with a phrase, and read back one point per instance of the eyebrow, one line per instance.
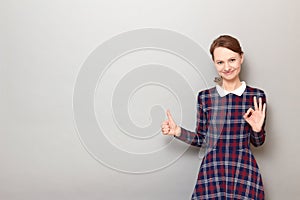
(227, 59)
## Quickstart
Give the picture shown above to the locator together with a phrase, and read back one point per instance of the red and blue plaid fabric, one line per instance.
(228, 169)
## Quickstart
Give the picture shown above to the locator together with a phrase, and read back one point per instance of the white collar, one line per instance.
(239, 91)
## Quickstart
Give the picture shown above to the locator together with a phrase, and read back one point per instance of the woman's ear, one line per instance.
(242, 58)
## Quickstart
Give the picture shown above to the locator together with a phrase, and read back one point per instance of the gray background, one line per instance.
(43, 45)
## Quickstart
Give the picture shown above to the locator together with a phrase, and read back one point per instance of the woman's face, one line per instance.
(228, 63)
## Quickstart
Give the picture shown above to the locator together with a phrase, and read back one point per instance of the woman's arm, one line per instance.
(196, 138)
(257, 118)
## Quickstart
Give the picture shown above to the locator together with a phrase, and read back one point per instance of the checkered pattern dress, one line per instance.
(228, 169)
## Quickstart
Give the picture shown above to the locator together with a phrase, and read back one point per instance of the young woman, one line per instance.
(230, 116)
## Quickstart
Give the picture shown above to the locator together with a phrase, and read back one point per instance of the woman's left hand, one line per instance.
(257, 116)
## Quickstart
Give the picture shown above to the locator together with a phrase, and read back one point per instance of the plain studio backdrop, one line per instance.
(43, 48)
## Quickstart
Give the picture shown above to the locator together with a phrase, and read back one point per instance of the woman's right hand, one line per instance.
(169, 127)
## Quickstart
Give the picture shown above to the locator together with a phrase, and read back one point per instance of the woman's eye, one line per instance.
(219, 62)
(232, 60)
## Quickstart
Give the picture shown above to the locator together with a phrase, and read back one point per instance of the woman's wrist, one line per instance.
(256, 130)
(178, 131)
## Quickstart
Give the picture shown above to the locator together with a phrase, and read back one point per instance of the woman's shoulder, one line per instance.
(250, 90)
(207, 92)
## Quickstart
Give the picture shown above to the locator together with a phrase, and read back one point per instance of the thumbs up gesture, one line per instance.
(169, 127)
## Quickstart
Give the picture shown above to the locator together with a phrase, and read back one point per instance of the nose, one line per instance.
(226, 66)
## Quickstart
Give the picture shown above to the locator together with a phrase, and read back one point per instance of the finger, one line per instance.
(255, 103)
(165, 126)
(170, 118)
(264, 108)
(248, 113)
(166, 130)
(260, 104)
(164, 123)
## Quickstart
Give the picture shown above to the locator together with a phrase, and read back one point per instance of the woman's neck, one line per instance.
(231, 85)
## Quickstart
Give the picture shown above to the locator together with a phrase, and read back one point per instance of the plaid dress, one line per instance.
(228, 169)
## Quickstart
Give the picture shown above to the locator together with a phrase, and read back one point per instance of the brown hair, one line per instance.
(228, 42)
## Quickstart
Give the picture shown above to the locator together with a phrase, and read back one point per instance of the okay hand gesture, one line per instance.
(257, 116)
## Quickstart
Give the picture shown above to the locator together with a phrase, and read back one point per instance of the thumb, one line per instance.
(170, 118)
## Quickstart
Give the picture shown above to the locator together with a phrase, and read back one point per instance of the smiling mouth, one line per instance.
(228, 72)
